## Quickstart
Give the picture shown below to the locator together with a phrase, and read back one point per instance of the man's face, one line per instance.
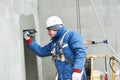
(52, 33)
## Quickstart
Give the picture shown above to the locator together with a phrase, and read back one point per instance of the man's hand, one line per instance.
(26, 35)
(76, 76)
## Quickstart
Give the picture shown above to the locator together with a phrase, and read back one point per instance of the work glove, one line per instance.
(26, 35)
(76, 76)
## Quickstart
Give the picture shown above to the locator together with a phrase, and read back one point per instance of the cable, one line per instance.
(100, 26)
(111, 64)
(106, 75)
(117, 55)
(78, 15)
(99, 22)
(106, 63)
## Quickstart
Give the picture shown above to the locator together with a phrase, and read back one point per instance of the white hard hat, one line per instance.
(53, 20)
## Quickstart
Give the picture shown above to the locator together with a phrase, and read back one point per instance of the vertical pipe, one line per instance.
(92, 66)
(78, 15)
(118, 39)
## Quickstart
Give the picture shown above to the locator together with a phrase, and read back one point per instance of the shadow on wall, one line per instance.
(27, 22)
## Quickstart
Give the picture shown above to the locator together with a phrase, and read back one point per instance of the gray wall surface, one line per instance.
(95, 19)
(12, 59)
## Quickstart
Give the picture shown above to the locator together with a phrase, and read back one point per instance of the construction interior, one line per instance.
(97, 21)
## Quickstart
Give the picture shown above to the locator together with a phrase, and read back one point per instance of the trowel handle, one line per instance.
(31, 31)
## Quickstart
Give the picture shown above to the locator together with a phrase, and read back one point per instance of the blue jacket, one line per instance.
(74, 51)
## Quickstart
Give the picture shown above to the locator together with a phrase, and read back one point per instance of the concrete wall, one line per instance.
(12, 62)
(76, 16)
(100, 21)
(105, 27)
(96, 20)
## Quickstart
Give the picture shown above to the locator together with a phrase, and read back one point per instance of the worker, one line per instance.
(66, 48)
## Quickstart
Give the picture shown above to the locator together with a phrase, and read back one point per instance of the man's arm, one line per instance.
(37, 49)
(78, 48)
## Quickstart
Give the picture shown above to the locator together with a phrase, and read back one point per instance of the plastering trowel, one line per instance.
(31, 31)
